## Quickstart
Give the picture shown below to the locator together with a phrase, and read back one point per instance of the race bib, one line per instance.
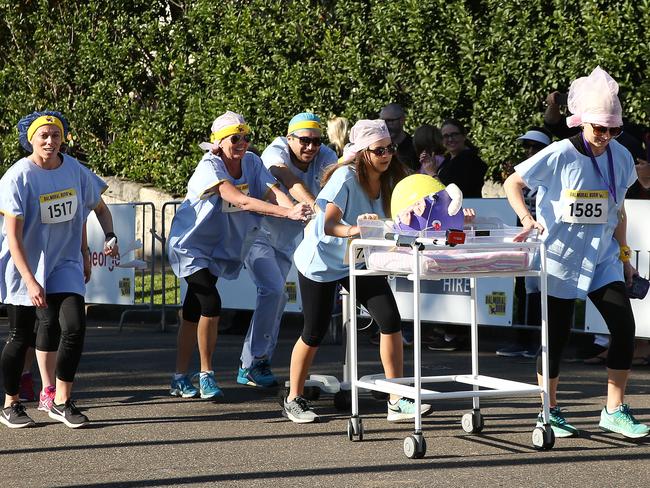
(585, 206)
(358, 258)
(228, 207)
(59, 206)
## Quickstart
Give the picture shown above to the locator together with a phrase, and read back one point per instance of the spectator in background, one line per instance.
(462, 165)
(338, 133)
(427, 142)
(393, 115)
(527, 341)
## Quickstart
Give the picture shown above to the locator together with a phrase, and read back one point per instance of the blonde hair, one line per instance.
(338, 131)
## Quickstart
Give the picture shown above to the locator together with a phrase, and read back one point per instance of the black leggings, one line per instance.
(613, 304)
(61, 328)
(373, 293)
(202, 297)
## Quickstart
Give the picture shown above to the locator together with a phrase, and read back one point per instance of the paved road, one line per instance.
(139, 436)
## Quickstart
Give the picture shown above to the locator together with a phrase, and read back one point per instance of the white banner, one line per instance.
(111, 282)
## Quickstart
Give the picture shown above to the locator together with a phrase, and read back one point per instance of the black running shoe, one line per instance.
(15, 417)
(69, 414)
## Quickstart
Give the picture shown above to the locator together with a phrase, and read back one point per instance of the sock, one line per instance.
(203, 374)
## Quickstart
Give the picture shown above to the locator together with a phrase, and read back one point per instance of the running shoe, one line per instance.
(208, 385)
(404, 408)
(69, 414)
(299, 411)
(15, 416)
(26, 393)
(511, 351)
(259, 374)
(561, 428)
(183, 387)
(623, 422)
(46, 399)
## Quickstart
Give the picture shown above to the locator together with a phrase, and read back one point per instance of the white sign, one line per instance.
(110, 283)
(638, 238)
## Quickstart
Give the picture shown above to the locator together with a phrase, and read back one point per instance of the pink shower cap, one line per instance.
(362, 135)
(594, 99)
(226, 124)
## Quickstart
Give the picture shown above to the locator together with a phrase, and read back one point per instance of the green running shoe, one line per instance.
(623, 422)
(561, 428)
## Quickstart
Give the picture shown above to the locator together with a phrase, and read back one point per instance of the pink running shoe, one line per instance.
(27, 393)
(46, 399)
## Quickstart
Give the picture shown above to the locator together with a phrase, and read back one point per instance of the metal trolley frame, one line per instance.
(412, 387)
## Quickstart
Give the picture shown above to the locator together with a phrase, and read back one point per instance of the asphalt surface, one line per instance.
(139, 436)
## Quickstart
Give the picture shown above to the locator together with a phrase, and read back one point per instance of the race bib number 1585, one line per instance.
(585, 206)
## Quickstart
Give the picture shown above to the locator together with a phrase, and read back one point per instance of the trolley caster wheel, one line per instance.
(343, 400)
(311, 393)
(415, 446)
(543, 438)
(472, 422)
(379, 395)
(355, 429)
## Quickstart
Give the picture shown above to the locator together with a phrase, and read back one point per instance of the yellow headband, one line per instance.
(41, 121)
(229, 131)
(304, 124)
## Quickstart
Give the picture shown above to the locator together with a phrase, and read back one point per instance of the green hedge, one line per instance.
(141, 81)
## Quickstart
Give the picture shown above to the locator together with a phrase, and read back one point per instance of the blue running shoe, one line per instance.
(208, 385)
(259, 374)
(183, 387)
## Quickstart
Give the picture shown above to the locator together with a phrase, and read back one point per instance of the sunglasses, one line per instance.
(380, 151)
(601, 130)
(306, 141)
(238, 137)
(452, 135)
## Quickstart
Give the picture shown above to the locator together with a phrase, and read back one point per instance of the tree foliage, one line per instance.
(141, 81)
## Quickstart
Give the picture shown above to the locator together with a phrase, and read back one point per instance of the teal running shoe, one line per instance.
(404, 408)
(259, 374)
(561, 428)
(182, 387)
(623, 422)
(208, 385)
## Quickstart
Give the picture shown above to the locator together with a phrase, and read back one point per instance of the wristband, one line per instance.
(527, 215)
(625, 254)
(110, 235)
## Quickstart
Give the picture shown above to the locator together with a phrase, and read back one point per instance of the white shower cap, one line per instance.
(362, 135)
(594, 99)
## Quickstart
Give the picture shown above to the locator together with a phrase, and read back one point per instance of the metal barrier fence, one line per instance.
(147, 211)
(162, 238)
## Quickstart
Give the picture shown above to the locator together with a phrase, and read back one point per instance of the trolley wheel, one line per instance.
(415, 446)
(355, 429)
(343, 400)
(543, 438)
(311, 393)
(472, 422)
(379, 395)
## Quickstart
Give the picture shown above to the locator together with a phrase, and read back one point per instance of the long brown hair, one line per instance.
(387, 180)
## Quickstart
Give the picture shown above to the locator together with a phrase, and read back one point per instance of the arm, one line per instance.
(231, 194)
(295, 185)
(514, 186)
(105, 219)
(14, 229)
(620, 234)
(334, 227)
(85, 254)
